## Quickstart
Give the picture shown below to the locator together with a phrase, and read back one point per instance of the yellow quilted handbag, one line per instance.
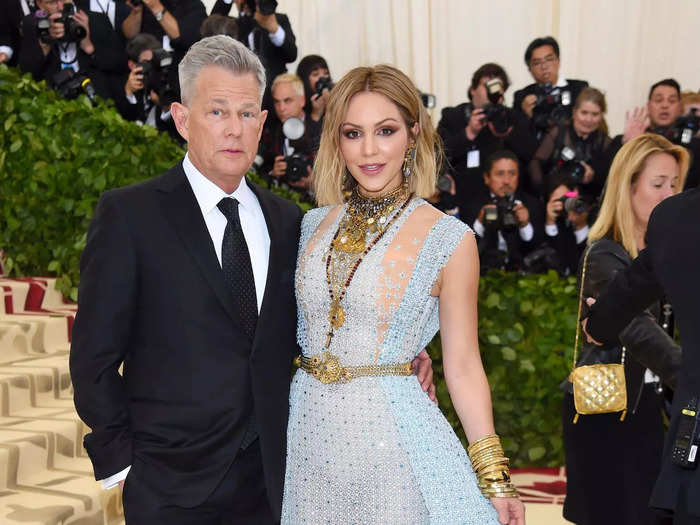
(598, 388)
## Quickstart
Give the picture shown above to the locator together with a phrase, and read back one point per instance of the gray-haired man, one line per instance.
(188, 280)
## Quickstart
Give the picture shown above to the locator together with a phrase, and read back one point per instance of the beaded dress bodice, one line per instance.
(375, 449)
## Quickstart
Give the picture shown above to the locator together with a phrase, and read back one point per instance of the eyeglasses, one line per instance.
(546, 60)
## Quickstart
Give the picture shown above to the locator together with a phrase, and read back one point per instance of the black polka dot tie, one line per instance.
(236, 266)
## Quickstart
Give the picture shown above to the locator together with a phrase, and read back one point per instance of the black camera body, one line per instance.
(683, 129)
(156, 74)
(297, 163)
(687, 441)
(74, 32)
(503, 217)
(42, 23)
(70, 84)
(494, 111)
(266, 7)
(321, 84)
(553, 106)
(428, 100)
(572, 201)
(570, 166)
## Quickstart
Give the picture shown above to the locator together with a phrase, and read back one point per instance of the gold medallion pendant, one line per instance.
(350, 241)
(336, 315)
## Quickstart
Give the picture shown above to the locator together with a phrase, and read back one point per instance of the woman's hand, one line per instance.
(635, 124)
(511, 511)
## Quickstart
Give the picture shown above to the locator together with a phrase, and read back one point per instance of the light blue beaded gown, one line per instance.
(376, 449)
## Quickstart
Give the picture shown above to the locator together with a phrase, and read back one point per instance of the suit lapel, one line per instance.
(181, 209)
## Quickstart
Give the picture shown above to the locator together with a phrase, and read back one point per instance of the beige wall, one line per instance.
(620, 46)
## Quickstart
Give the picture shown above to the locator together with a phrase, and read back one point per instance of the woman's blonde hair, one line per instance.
(616, 218)
(330, 168)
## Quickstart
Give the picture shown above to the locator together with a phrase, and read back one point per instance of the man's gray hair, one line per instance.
(222, 51)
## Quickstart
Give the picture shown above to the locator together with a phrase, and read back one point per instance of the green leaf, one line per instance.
(14, 147)
(508, 353)
(493, 300)
(527, 366)
(525, 306)
(536, 453)
(494, 339)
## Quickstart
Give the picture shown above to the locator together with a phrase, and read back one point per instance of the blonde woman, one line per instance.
(376, 277)
(611, 464)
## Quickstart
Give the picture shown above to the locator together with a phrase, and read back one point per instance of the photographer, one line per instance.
(10, 35)
(313, 72)
(507, 221)
(663, 115)
(175, 23)
(63, 35)
(146, 95)
(566, 223)
(472, 131)
(289, 160)
(549, 99)
(572, 148)
(267, 33)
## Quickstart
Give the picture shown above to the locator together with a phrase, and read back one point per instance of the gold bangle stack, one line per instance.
(491, 467)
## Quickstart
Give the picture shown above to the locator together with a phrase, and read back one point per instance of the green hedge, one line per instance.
(57, 156)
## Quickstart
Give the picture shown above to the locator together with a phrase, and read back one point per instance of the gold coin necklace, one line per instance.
(363, 214)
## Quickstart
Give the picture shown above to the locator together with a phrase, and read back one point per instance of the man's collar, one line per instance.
(561, 81)
(209, 194)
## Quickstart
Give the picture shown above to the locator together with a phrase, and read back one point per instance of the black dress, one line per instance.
(612, 465)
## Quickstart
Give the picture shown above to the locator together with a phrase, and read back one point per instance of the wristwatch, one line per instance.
(159, 15)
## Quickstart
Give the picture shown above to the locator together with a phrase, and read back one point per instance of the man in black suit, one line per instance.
(542, 59)
(10, 24)
(268, 34)
(98, 55)
(200, 413)
(188, 280)
(669, 266)
(508, 222)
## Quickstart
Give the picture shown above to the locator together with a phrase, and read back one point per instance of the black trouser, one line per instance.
(240, 498)
(681, 516)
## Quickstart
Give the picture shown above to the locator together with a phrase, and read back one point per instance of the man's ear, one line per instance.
(180, 114)
(486, 178)
(263, 118)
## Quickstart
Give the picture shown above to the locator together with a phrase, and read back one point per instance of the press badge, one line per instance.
(565, 98)
(473, 158)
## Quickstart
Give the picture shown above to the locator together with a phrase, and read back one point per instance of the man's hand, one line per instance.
(422, 366)
(483, 210)
(554, 209)
(135, 81)
(3, 58)
(511, 511)
(267, 22)
(528, 104)
(154, 6)
(476, 123)
(590, 302)
(635, 124)
(56, 29)
(588, 173)
(280, 167)
(522, 214)
(81, 17)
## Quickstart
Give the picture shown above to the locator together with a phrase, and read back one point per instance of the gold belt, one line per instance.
(326, 368)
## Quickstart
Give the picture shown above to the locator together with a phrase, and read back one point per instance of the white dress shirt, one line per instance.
(526, 232)
(255, 232)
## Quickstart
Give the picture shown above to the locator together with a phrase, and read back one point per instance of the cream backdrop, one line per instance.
(619, 46)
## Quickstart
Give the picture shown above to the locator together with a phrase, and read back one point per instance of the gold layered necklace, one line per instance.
(365, 218)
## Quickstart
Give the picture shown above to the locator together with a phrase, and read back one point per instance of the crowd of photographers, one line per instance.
(526, 178)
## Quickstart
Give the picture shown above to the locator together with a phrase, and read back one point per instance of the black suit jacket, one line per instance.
(275, 59)
(670, 264)
(152, 295)
(10, 25)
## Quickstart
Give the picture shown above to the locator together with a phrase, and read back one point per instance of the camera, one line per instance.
(553, 106)
(321, 84)
(74, 32)
(266, 7)
(494, 111)
(297, 162)
(428, 100)
(569, 166)
(70, 84)
(42, 23)
(503, 216)
(156, 74)
(683, 129)
(136, 3)
(572, 201)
